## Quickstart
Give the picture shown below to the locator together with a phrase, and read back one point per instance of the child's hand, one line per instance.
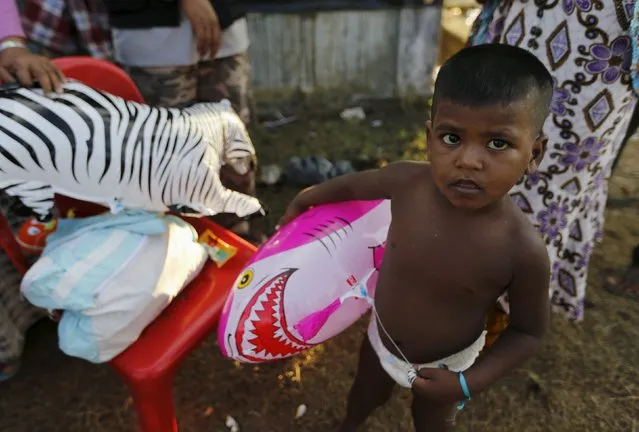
(293, 210)
(438, 384)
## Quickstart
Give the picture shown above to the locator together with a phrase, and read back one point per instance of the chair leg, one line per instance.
(153, 401)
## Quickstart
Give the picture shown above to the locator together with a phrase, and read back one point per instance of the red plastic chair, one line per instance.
(148, 366)
(100, 75)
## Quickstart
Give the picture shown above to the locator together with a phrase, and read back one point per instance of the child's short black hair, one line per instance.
(495, 74)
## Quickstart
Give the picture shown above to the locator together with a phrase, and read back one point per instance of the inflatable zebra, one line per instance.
(97, 147)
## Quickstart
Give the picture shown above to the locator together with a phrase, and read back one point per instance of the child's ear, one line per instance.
(429, 127)
(538, 151)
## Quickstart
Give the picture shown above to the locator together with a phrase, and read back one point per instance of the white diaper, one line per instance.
(399, 369)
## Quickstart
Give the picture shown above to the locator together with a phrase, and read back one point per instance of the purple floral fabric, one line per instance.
(587, 47)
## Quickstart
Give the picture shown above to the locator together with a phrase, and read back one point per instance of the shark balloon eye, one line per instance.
(246, 279)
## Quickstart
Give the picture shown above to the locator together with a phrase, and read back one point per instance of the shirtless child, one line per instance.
(456, 242)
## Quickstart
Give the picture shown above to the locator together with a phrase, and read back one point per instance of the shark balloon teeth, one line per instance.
(312, 280)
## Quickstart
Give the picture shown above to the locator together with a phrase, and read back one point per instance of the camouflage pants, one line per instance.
(209, 81)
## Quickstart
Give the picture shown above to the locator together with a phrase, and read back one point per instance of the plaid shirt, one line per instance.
(68, 27)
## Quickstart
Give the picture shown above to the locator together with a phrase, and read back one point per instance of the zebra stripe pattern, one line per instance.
(97, 147)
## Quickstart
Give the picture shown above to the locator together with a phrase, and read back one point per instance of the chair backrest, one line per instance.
(101, 75)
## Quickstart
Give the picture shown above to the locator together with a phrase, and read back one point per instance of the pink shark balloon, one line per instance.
(308, 283)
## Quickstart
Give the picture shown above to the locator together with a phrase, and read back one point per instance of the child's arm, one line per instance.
(365, 185)
(529, 319)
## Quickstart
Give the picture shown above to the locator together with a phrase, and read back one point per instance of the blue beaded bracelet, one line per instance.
(465, 389)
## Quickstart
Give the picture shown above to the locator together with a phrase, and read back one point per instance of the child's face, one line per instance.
(478, 154)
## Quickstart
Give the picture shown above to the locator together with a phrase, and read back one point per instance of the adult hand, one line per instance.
(206, 26)
(27, 67)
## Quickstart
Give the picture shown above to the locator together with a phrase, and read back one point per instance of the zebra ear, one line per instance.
(226, 104)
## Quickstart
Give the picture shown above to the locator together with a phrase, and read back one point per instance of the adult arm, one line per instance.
(16, 61)
(10, 26)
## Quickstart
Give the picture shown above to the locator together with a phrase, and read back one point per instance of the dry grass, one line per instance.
(583, 379)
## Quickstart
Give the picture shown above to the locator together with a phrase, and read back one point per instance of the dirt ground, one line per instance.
(583, 379)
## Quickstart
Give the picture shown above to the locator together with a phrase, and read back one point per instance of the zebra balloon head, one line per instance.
(237, 149)
(234, 147)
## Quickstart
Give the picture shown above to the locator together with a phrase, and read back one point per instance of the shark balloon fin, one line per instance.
(311, 325)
